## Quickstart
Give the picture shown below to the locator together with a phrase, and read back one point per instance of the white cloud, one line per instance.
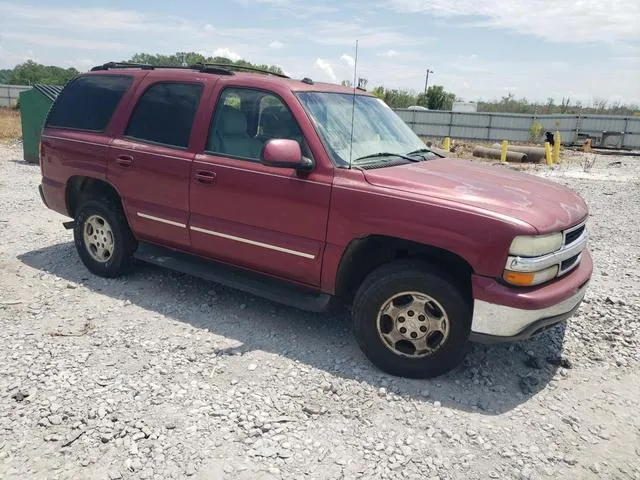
(369, 36)
(102, 18)
(225, 52)
(296, 8)
(9, 59)
(64, 42)
(326, 67)
(570, 21)
(388, 53)
(348, 59)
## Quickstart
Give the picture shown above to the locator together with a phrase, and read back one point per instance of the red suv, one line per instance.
(307, 193)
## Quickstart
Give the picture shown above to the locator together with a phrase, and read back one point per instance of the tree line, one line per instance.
(510, 104)
(30, 72)
(436, 97)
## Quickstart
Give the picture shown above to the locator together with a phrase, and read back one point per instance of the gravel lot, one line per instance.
(161, 375)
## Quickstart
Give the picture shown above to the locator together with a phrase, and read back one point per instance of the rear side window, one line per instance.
(165, 114)
(88, 103)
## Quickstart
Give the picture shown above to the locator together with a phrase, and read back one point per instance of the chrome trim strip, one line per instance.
(535, 264)
(253, 242)
(54, 137)
(503, 321)
(162, 220)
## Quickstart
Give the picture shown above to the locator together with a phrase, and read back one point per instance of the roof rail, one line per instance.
(230, 66)
(145, 66)
(109, 65)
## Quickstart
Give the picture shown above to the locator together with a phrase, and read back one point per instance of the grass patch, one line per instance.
(10, 128)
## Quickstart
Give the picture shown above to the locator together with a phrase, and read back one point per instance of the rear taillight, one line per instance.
(41, 159)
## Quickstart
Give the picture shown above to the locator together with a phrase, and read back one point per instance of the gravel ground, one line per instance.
(161, 375)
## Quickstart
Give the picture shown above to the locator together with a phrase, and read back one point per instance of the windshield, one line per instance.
(376, 128)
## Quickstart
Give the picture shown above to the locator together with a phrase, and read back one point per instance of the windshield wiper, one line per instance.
(387, 154)
(420, 150)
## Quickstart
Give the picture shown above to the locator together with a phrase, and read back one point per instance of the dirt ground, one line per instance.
(10, 128)
(161, 375)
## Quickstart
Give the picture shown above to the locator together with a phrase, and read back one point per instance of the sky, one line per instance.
(478, 49)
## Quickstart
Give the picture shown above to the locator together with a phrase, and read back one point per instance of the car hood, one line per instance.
(544, 204)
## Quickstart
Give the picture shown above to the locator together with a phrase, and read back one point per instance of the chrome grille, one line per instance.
(568, 263)
(566, 258)
(572, 235)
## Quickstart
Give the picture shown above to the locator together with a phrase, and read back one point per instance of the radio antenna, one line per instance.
(353, 104)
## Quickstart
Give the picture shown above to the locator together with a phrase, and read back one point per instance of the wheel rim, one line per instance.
(412, 324)
(98, 238)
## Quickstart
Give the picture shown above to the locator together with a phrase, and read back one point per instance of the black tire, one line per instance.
(417, 276)
(124, 243)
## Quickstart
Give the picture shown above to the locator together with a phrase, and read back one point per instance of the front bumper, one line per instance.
(504, 314)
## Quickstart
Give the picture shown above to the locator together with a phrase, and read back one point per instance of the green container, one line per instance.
(34, 106)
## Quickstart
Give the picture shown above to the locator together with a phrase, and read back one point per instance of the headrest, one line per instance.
(233, 122)
(277, 122)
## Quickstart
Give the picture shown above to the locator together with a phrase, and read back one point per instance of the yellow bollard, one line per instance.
(446, 144)
(503, 153)
(547, 153)
(556, 147)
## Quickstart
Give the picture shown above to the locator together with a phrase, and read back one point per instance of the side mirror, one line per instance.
(284, 153)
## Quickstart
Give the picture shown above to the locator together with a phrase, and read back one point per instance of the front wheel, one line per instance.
(411, 320)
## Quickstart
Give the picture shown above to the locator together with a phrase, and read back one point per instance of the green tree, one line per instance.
(5, 75)
(378, 92)
(191, 58)
(30, 72)
(436, 98)
(439, 99)
(422, 100)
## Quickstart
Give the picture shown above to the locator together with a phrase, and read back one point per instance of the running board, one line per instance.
(239, 279)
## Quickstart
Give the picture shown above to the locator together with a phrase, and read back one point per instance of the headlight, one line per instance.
(529, 279)
(535, 245)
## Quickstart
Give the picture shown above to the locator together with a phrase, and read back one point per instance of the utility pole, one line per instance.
(426, 81)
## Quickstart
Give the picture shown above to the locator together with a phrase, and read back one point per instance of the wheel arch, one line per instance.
(363, 255)
(79, 187)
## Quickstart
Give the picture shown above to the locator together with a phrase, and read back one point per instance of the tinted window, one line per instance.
(246, 119)
(165, 114)
(87, 103)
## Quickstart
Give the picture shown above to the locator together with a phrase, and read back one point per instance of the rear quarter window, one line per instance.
(87, 103)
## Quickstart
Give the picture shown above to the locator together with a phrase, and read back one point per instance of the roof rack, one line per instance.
(231, 66)
(109, 65)
(146, 66)
(219, 68)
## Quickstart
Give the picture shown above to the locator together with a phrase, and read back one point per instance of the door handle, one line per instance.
(124, 160)
(204, 176)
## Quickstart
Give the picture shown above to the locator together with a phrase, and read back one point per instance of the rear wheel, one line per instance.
(411, 320)
(103, 238)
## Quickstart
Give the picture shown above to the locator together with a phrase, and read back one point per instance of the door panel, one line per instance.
(259, 217)
(150, 159)
(154, 183)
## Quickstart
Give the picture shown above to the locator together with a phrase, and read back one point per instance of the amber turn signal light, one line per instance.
(529, 279)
